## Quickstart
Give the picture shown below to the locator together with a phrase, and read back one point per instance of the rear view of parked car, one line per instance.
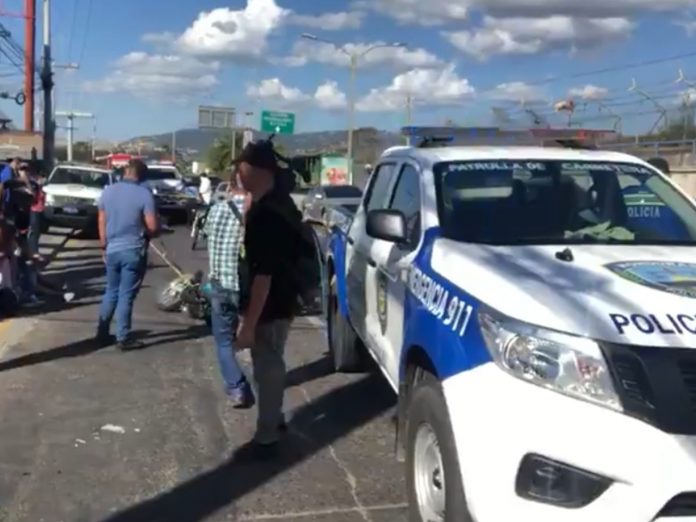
(320, 199)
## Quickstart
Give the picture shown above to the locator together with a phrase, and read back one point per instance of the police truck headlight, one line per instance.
(563, 363)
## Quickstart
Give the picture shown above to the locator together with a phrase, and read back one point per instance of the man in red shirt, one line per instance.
(37, 208)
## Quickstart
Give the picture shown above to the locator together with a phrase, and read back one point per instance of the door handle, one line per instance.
(371, 262)
(350, 240)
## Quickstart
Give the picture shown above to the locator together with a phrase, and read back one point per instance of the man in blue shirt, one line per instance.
(127, 220)
(8, 173)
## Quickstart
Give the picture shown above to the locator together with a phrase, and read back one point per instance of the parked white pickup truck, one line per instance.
(533, 308)
(72, 192)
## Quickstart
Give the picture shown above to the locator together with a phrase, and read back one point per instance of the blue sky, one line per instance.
(146, 65)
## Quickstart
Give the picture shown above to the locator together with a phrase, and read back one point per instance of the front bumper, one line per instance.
(81, 216)
(497, 419)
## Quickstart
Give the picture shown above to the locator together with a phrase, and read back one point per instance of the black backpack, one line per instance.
(304, 267)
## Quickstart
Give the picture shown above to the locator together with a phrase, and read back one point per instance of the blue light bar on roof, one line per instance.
(436, 132)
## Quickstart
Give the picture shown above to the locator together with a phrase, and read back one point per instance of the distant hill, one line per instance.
(368, 143)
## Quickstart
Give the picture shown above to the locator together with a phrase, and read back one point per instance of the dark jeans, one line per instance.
(224, 316)
(35, 232)
(125, 271)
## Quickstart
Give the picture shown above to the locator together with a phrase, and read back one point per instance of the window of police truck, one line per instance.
(86, 177)
(560, 202)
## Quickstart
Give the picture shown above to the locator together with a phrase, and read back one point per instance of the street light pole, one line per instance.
(354, 62)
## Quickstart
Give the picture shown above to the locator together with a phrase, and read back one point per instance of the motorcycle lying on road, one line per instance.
(186, 293)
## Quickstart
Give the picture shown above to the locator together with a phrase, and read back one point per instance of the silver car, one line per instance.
(319, 199)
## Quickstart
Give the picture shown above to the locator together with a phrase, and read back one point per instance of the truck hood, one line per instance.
(644, 295)
(73, 191)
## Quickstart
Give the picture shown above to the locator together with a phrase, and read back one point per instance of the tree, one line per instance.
(219, 156)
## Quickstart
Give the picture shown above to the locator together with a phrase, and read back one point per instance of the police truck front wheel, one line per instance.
(433, 480)
(344, 344)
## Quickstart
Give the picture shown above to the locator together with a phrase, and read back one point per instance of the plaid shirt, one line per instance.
(224, 232)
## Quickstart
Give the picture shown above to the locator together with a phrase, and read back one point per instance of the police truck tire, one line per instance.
(344, 345)
(428, 435)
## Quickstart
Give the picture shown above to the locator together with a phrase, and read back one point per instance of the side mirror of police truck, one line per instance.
(388, 225)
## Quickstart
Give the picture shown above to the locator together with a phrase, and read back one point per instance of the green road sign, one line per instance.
(277, 122)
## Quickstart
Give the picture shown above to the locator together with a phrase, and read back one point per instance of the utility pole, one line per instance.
(47, 86)
(94, 140)
(29, 62)
(663, 112)
(70, 115)
(174, 147)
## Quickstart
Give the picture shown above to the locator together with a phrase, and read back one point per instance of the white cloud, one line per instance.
(166, 39)
(327, 96)
(425, 87)
(586, 8)
(437, 12)
(329, 21)
(153, 75)
(226, 33)
(273, 89)
(589, 92)
(534, 35)
(305, 51)
(688, 25)
(517, 92)
(427, 13)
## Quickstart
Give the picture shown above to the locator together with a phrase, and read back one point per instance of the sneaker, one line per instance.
(242, 397)
(129, 345)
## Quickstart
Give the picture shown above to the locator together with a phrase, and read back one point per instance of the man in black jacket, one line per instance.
(271, 243)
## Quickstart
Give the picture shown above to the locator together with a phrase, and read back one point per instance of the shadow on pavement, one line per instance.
(89, 345)
(317, 426)
(309, 372)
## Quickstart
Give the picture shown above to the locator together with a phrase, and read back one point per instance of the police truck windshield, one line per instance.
(560, 202)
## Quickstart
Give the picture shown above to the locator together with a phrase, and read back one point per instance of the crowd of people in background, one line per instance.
(22, 202)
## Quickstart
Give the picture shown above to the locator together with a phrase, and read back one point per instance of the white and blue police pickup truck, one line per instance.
(534, 308)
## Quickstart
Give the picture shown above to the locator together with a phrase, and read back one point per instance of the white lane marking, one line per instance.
(318, 512)
(350, 478)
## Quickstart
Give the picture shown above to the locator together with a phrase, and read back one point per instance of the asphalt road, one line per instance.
(96, 435)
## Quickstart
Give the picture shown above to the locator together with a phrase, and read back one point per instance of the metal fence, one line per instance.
(679, 153)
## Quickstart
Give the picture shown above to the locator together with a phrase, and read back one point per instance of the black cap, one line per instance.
(260, 155)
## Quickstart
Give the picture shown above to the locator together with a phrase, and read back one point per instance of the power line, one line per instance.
(606, 70)
(88, 21)
(76, 4)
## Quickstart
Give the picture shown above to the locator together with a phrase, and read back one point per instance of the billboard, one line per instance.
(216, 117)
(334, 171)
